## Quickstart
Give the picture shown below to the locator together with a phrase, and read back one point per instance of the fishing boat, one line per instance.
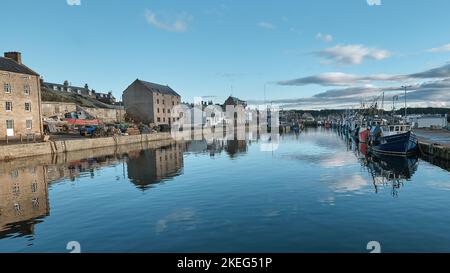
(393, 139)
(366, 125)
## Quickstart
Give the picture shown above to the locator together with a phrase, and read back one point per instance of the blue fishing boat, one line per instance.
(393, 140)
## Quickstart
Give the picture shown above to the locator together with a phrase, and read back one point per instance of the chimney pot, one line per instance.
(16, 56)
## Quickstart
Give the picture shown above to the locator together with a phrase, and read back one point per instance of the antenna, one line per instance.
(265, 93)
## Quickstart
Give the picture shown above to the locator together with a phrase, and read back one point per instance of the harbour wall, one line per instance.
(14, 151)
(435, 150)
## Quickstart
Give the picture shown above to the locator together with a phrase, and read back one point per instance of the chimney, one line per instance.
(16, 56)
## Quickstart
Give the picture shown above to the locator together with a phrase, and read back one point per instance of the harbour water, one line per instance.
(317, 192)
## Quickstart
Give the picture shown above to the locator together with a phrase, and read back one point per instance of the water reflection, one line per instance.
(215, 147)
(24, 183)
(23, 200)
(386, 171)
(147, 167)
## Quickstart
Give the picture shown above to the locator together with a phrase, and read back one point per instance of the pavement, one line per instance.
(440, 136)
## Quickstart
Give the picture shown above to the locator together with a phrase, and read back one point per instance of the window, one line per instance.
(8, 106)
(27, 107)
(163, 101)
(164, 119)
(159, 119)
(26, 89)
(10, 124)
(397, 128)
(34, 187)
(7, 88)
(168, 111)
(29, 124)
(158, 110)
(14, 174)
(164, 110)
(35, 202)
(157, 101)
(173, 119)
(173, 103)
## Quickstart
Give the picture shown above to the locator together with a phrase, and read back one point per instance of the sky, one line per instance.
(306, 54)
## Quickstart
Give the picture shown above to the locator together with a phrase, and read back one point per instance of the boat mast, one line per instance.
(405, 87)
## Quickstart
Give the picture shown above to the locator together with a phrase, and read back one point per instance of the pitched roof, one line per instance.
(49, 85)
(158, 88)
(236, 100)
(7, 64)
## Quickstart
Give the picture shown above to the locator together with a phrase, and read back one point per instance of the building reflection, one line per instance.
(23, 200)
(24, 183)
(148, 167)
(216, 146)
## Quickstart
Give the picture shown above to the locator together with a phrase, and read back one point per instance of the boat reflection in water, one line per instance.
(387, 170)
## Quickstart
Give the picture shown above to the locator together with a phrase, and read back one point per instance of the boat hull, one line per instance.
(401, 144)
(364, 135)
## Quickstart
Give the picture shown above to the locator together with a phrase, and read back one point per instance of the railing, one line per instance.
(21, 138)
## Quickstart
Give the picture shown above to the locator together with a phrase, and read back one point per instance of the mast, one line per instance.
(405, 98)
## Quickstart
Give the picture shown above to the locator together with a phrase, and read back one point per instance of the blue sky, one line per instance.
(215, 48)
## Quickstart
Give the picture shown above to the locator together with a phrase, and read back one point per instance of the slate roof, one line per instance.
(162, 89)
(236, 100)
(49, 85)
(7, 64)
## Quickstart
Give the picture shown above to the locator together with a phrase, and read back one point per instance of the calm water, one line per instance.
(315, 193)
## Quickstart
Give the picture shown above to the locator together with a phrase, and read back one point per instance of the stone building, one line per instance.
(150, 103)
(66, 87)
(20, 98)
(107, 98)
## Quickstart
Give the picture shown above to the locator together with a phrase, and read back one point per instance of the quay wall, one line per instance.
(14, 151)
(434, 150)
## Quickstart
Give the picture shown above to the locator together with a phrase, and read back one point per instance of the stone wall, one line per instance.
(9, 152)
(107, 115)
(50, 108)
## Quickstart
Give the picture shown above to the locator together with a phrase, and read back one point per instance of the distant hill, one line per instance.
(411, 111)
(83, 101)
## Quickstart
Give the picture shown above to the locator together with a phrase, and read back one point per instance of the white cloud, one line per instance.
(374, 2)
(324, 37)
(339, 79)
(179, 24)
(266, 25)
(73, 2)
(444, 48)
(344, 79)
(353, 54)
